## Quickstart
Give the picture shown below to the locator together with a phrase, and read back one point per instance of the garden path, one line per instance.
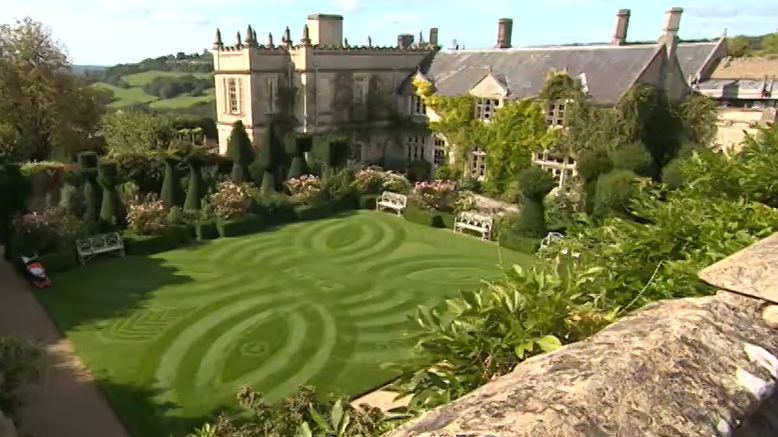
(67, 402)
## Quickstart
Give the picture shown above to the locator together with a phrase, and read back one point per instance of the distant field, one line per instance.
(135, 94)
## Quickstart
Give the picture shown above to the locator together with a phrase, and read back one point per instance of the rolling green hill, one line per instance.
(135, 94)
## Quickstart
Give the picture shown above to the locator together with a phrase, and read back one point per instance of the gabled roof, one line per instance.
(609, 69)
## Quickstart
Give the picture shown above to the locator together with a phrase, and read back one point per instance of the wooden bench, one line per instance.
(476, 222)
(394, 201)
(90, 247)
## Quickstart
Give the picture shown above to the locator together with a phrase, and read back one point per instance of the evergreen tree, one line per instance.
(268, 159)
(15, 188)
(112, 211)
(591, 165)
(172, 191)
(297, 146)
(240, 152)
(87, 163)
(196, 189)
(534, 183)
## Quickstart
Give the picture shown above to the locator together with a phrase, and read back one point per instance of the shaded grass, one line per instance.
(322, 303)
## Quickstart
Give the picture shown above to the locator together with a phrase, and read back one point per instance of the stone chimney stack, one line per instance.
(504, 33)
(405, 40)
(326, 29)
(433, 39)
(622, 26)
(672, 21)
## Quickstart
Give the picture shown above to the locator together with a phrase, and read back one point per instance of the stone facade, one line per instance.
(322, 81)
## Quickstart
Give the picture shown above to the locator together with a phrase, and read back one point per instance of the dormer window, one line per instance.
(556, 113)
(484, 108)
(417, 106)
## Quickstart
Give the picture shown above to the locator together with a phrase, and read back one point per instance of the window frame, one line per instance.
(485, 108)
(271, 94)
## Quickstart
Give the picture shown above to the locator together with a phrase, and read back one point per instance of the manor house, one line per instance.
(325, 83)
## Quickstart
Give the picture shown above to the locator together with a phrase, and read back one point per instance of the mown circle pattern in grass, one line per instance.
(322, 303)
(254, 348)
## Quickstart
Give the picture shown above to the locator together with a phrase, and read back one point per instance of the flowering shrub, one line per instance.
(48, 230)
(304, 188)
(231, 200)
(465, 202)
(438, 195)
(370, 180)
(396, 182)
(146, 218)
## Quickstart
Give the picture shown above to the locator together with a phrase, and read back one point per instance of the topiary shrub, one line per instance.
(591, 165)
(112, 212)
(172, 193)
(240, 152)
(196, 187)
(87, 163)
(332, 152)
(633, 157)
(535, 184)
(614, 191)
(297, 146)
(268, 160)
(145, 170)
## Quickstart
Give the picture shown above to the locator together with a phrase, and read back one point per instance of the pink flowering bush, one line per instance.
(231, 201)
(438, 195)
(305, 188)
(49, 230)
(370, 180)
(146, 217)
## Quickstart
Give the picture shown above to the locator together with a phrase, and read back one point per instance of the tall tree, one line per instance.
(47, 110)
(737, 46)
(135, 131)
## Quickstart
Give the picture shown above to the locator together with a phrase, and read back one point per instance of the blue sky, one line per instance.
(105, 32)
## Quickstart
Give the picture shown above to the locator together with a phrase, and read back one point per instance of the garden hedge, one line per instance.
(313, 212)
(207, 230)
(64, 259)
(169, 239)
(512, 240)
(367, 201)
(248, 224)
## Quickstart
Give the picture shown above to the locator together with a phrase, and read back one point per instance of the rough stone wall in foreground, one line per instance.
(689, 367)
(7, 428)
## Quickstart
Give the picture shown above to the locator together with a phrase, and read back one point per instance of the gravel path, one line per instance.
(67, 402)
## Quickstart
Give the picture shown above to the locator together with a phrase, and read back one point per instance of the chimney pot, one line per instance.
(433, 39)
(405, 40)
(622, 26)
(504, 33)
(672, 21)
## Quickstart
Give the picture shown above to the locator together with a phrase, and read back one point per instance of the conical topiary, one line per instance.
(172, 191)
(268, 159)
(297, 146)
(196, 189)
(240, 152)
(534, 183)
(112, 212)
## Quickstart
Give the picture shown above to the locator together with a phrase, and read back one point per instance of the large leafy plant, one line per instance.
(471, 339)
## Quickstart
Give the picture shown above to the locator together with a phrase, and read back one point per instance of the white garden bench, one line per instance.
(549, 238)
(394, 201)
(90, 247)
(476, 222)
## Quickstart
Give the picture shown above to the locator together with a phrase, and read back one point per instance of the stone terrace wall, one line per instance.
(7, 428)
(688, 367)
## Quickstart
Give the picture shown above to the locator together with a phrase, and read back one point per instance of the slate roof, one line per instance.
(609, 69)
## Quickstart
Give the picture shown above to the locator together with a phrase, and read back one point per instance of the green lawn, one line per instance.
(173, 336)
(127, 96)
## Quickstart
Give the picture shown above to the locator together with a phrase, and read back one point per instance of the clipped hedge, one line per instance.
(367, 201)
(169, 239)
(313, 212)
(425, 217)
(206, 230)
(63, 259)
(248, 224)
(511, 240)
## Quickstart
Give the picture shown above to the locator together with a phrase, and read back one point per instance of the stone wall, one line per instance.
(689, 367)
